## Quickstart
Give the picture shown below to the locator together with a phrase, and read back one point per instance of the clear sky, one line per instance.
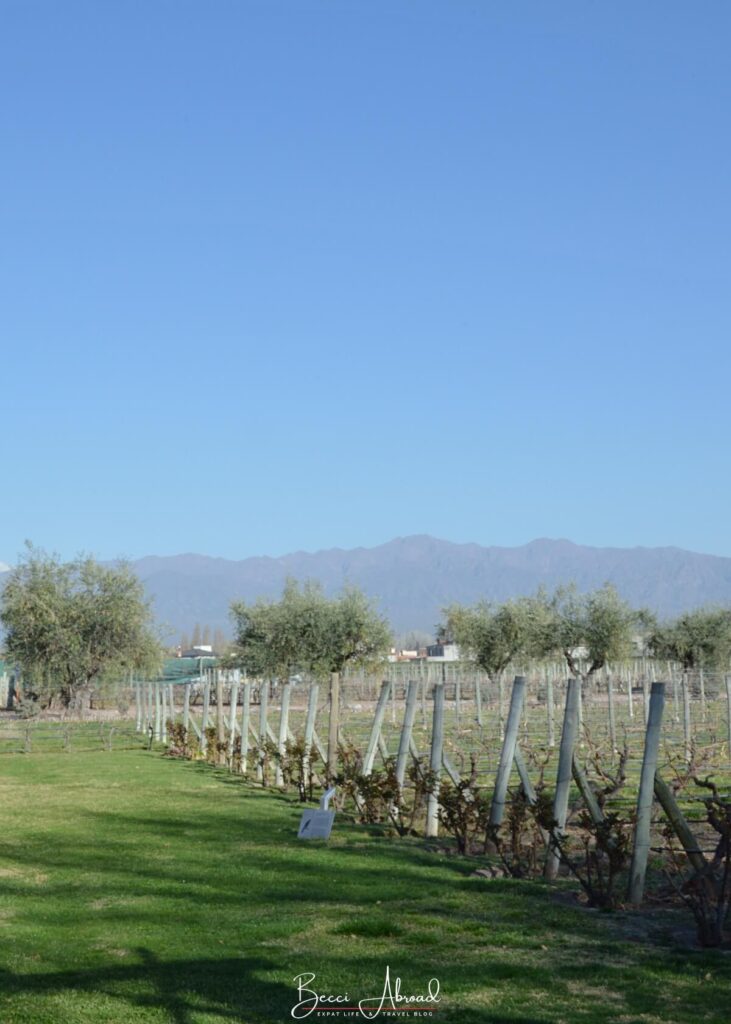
(292, 275)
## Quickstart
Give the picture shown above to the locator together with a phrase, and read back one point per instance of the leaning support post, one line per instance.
(563, 777)
(376, 727)
(587, 793)
(283, 730)
(435, 761)
(406, 731)
(645, 797)
(669, 804)
(507, 753)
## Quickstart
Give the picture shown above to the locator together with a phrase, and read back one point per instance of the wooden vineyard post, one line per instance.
(245, 718)
(310, 724)
(283, 730)
(435, 761)
(646, 794)
(507, 753)
(406, 730)
(186, 708)
(565, 769)
(333, 728)
(204, 712)
(263, 707)
(687, 731)
(610, 709)
(233, 700)
(550, 725)
(376, 727)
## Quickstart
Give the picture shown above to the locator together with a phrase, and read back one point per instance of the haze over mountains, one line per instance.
(413, 578)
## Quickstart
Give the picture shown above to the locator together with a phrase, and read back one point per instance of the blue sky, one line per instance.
(292, 275)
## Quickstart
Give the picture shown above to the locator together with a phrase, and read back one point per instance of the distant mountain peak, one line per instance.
(413, 578)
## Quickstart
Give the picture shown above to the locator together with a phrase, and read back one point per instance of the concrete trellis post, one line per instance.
(245, 724)
(138, 708)
(728, 712)
(233, 701)
(333, 731)
(500, 704)
(220, 717)
(205, 711)
(406, 731)
(310, 722)
(550, 726)
(283, 730)
(646, 794)
(263, 708)
(435, 761)
(687, 729)
(478, 700)
(507, 753)
(565, 769)
(158, 714)
(376, 727)
(610, 709)
(186, 708)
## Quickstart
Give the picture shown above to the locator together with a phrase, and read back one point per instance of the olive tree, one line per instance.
(588, 630)
(72, 626)
(307, 632)
(491, 635)
(697, 639)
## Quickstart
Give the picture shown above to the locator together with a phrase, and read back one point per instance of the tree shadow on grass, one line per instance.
(231, 989)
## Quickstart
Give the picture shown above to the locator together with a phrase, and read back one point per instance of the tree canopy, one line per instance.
(307, 632)
(588, 630)
(492, 635)
(70, 625)
(697, 639)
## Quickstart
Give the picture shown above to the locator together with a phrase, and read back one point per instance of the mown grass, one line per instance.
(138, 889)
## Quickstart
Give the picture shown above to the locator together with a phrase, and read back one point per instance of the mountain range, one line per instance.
(412, 578)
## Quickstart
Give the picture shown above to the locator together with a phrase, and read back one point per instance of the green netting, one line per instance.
(184, 670)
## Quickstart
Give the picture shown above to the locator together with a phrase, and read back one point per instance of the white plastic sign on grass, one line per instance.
(317, 824)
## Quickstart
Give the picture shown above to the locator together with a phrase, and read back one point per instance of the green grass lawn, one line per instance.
(139, 889)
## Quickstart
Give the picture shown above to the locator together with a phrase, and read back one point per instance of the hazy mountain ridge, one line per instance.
(412, 578)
